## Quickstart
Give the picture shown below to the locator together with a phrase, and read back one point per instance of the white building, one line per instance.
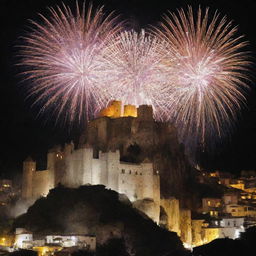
(82, 241)
(23, 238)
(229, 227)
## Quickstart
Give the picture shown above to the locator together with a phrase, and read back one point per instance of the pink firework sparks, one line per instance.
(63, 63)
(137, 69)
(207, 78)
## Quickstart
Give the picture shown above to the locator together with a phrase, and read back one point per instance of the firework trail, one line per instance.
(137, 70)
(207, 73)
(62, 56)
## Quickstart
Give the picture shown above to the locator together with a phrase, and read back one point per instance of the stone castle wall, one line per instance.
(78, 167)
(106, 155)
(197, 238)
(41, 183)
(171, 207)
(185, 226)
(156, 141)
(29, 167)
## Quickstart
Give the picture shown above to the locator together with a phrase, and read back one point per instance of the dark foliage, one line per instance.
(221, 247)
(83, 253)
(114, 247)
(23, 253)
(249, 239)
(245, 245)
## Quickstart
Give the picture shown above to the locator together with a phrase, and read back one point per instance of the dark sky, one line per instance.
(23, 134)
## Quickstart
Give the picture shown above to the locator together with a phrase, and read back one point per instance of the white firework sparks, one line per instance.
(208, 73)
(137, 69)
(63, 62)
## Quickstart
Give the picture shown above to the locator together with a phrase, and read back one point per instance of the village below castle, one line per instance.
(122, 149)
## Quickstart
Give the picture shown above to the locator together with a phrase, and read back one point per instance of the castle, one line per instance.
(121, 149)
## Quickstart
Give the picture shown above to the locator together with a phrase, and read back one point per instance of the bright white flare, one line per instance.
(63, 59)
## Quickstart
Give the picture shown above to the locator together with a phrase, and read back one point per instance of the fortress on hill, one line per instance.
(126, 150)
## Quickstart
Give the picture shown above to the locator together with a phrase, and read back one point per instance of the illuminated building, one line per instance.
(224, 227)
(211, 205)
(75, 167)
(5, 184)
(115, 110)
(82, 241)
(240, 184)
(23, 239)
(98, 159)
(47, 250)
(241, 210)
(6, 240)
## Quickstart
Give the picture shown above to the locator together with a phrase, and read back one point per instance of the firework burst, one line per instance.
(207, 78)
(63, 62)
(192, 69)
(137, 69)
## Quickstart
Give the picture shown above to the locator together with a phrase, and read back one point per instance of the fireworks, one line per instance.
(207, 75)
(137, 70)
(191, 69)
(62, 57)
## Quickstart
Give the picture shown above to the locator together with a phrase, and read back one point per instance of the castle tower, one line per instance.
(130, 110)
(87, 157)
(110, 169)
(114, 110)
(29, 167)
(55, 160)
(145, 112)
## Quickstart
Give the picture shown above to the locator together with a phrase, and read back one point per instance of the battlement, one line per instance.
(115, 109)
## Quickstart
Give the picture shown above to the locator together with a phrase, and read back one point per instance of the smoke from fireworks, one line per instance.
(63, 60)
(207, 78)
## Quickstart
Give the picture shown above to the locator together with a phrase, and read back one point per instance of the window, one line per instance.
(123, 171)
(130, 172)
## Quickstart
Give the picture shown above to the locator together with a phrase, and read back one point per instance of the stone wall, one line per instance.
(197, 238)
(185, 226)
(41, 183)
(156, 141)
(172, 209)
(29, 167)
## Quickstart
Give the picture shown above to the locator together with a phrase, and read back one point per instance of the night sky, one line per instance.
(23, 134)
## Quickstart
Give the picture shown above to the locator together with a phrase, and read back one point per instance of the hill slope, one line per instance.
(97, 210)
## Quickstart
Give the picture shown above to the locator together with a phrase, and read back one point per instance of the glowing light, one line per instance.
(208, 73)
(137, 70)
(192, 70)
(62, 56)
